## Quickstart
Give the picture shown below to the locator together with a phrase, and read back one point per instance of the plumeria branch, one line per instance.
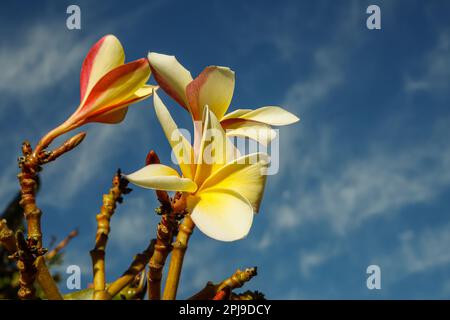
(30, 164)
(136, 268)
(26, 254)
(28, 265)
(45, 280)
(170, 211)
(223, 290)
(176, 262)
(119, 187)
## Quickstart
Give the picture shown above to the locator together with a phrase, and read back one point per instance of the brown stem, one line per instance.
(30, 164)
(51, 254)
(136, 267)
(237, 280)
(25, 256)
(176, 262)
(119, 187)
(162, 249)
(44, 278)
(164, 237)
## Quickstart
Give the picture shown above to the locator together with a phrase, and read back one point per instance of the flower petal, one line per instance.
(275, 116)
(181, 147)
(161, 177)
(117, 86)
(245, 175)
(216, 149)
(171, 76)
(110, 117)
(213, 87)
(116, 113)
(104, 56)
(221, 214)
(261, 132)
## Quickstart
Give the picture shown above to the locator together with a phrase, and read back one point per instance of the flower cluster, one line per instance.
(222, 188)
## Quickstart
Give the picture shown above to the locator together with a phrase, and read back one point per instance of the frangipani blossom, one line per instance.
(107, 87)
(214, 87)
(222, 195)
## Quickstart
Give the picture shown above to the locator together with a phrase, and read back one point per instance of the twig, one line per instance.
(30, 164)
(51, 254)
(176, 262)
(237, 280)
(136, 267)
(64, 148)
(119, 187)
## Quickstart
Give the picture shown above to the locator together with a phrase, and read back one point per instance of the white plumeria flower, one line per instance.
(214, 87)
(223, 194)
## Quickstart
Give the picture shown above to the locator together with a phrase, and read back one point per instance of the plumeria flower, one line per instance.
(107, 87)
(221, 194)
(214, 87)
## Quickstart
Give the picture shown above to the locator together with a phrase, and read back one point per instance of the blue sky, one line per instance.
(364, 177)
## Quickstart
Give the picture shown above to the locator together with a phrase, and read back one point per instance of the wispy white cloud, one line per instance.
(344, 192)
(314, 258)
(44, 56)
(381, 182)
(416, 252)
(435, 68)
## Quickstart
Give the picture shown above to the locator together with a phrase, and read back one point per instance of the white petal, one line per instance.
(222, 214)
(275, 116)
(171, 76)
(161, 177)
(258, 131)
(245, 175)
(216, 149)
(182, 149)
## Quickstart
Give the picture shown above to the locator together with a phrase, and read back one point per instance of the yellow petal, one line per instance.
(161, 177)
(110, 117)
(117, 86)
(221, 214)
(104, 56)
(116, 113)
(213, 87)
(216, 149)
(245, 175)
(181, 147)
(275, 116)
(171, 76)
(261, 132)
